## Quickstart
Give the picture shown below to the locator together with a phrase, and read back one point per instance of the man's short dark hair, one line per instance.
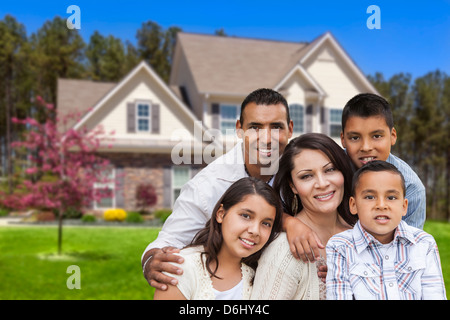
(376, 166)
(264, 97)
(366, 105)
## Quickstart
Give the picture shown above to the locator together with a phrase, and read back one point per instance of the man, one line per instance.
(265, 127)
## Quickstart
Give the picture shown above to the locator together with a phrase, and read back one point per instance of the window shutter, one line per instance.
(131, 117)
(215, 110)
(167, 191)
(119, 192)
(155, 118)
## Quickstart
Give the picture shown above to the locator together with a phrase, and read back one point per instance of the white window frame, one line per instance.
(303, 117)
(228, 120)
(148, 118)
(172, 183)
(110, 185)
(334, 123)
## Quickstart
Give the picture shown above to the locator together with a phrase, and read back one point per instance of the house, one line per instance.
(162, 131)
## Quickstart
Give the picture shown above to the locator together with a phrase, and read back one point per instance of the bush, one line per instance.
(115, 215)
(88, 218)
(145, 196)
(134, 217)
(45, 216)
(72, 213)
(4, 212)
(163, 214)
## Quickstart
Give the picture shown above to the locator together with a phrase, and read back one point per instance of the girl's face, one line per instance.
(246, 226)
(318, 183)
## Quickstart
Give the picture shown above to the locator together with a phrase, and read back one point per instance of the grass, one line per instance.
(108, 258)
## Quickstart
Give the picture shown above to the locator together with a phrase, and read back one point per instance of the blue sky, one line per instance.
(414, 35)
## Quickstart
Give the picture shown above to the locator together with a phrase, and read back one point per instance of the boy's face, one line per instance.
(367, 139)
(379, 203)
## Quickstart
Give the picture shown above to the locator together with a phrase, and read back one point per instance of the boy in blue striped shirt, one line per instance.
(368, 134)
(382, 257)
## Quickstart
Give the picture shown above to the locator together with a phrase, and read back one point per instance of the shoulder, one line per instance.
(411, 178)
(278, 256)
(417, 235)
(342, 239)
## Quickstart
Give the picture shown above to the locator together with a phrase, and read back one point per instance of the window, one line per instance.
(106, 189)
(228, 116)
(297, 113)
(143, 117)
(335, 122)
(180, 175)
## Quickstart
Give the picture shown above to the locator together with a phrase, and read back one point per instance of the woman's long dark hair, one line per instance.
(321, 142)
(210, 237)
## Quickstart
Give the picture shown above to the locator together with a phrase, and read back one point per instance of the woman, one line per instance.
(314, 181)
(220, 262)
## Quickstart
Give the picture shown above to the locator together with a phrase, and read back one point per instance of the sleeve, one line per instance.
(338, 282)
(433, 287)
(416, 214)
(190, 214)
(279, 274)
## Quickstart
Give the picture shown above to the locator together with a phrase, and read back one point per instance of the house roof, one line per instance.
(224, 65)
(77, 96)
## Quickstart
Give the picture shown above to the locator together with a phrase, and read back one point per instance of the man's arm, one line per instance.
(303, 242)
(188, 217)
(155, 261)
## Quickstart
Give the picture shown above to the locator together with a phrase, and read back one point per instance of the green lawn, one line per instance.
(108, 258)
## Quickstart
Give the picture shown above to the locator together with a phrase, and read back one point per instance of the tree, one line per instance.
(64, 167)
(14, 85)
(107, 58)
(156, 46)
(58, 52)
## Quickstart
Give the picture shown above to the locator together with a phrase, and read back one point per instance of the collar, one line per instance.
(363, 239)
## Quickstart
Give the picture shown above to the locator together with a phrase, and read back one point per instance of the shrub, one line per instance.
(145, 196)
(72, 213)
(45, 216)
(115, 215)
(162, 214)
(4, 212)
(88, 218)
(134, 217)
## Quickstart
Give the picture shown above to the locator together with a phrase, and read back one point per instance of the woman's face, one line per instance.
(246, 226)
(318, 183)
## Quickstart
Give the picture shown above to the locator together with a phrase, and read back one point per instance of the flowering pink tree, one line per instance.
(64, 165)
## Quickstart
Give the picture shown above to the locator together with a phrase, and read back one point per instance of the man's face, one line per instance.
(266, 132)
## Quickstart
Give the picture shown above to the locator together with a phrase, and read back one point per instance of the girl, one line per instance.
(220, 261)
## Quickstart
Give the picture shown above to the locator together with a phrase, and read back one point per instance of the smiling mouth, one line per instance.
(247, 243)
(365, 160)
(265, 152)
(323, 197)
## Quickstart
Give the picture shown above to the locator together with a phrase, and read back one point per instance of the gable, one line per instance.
(337, 74)
(166, 112)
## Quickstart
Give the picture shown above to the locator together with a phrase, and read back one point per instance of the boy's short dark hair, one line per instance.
(264, 97)
(367, 105)
(376, 166)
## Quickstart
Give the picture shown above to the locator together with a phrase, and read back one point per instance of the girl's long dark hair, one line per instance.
(210, 237)
(321, 142)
